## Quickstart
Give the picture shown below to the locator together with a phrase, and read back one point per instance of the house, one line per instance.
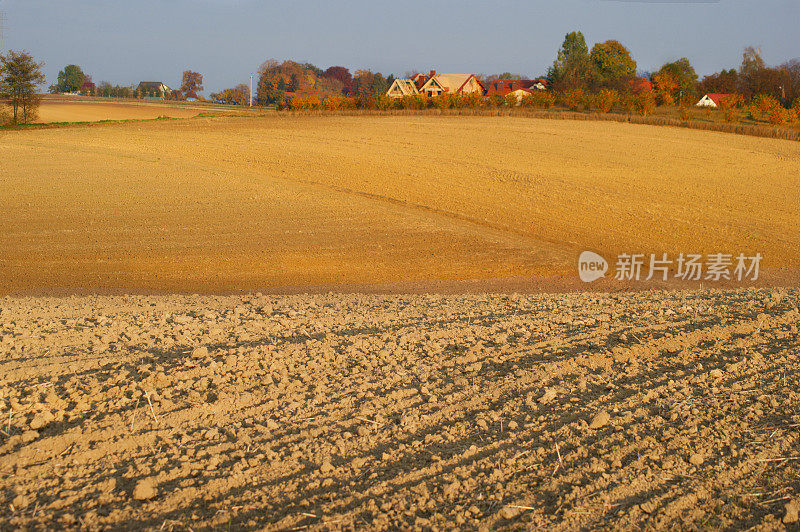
(420, 79)
(401, 88)
(520, 94)
(150, 87)
(452, 84)
(710, 100)
(505, 86)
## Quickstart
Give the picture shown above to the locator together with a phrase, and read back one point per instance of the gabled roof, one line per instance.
(152, 85)
(451, 83)
(406, 87)
(714, 97)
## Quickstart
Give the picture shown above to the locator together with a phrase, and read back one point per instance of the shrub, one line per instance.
(728, 106)
(589, 101)
(762, 107)
(686, 113)
(304, 103)
(778, 115)
(572, 98)
(606, 99)
(337, 103)
(735, 101)
(796, 104)
(542, 99)
(382, 102)
(510, 100)
(645, 103)
(494, 100)
(628, 102)
(443, 101)
(417, 101)
(365, 102)
(471, 100)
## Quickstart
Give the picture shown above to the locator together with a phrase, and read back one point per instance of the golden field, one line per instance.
(229, 204)
(92, 111)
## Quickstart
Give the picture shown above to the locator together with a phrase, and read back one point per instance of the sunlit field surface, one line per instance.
(228, 204)
(60, 111)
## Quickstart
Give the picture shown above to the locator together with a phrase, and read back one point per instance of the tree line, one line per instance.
(72, 79)
(602, 78)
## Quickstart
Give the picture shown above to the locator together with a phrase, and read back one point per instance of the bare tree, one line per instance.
(19, 77)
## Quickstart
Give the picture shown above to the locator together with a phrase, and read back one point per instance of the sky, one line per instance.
(127, 41)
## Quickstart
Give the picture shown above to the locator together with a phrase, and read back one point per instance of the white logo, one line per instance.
(591, 266)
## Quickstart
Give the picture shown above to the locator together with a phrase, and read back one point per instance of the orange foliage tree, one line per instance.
(665, 87)
(191, 84)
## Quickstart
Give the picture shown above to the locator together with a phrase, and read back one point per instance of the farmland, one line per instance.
(657, 410)
(288, 202)
(95, 111)
(283, 322)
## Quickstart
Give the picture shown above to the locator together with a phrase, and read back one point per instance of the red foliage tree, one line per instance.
(343, 76)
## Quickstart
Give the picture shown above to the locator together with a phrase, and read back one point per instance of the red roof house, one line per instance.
(710, 100)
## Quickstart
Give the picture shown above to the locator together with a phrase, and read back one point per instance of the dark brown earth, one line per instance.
(651, 410)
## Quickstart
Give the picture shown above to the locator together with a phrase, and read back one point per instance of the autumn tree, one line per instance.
(20, 75)
(192, 84)
(88, 86)
(343, 76)
(792, 69)
(70, 79)
(611, 64)
(238, 95)
(364, 83)
(723, 82)
(752, 61)
(683, 74)
(665, 87)
(755, 78)
(380, 84)
(294, 83)
(571, 69)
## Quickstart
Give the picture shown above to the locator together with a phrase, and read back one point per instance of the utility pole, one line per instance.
(251, 90)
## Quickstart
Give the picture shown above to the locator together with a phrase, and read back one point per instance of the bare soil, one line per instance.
(231, 205)
(651, 410)
(60, 111)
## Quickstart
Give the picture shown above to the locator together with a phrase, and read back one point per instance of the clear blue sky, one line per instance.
(126, 41)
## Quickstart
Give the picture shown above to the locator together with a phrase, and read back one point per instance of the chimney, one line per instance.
(433, 73)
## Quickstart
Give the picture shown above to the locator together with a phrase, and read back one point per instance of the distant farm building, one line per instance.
(438, 84)
(506, 86)
(401, 88)
(710, 100)
(153, 87)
